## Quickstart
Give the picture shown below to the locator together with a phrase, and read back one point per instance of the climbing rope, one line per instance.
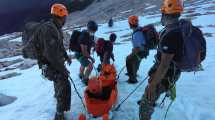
(119, 105)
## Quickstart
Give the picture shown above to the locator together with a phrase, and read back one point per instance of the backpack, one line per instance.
(194, 47)
(151, 36)
(29, 40)
(74, 41)
(100, 43)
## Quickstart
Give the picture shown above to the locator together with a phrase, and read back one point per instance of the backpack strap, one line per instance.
(165, 31)
(139, 29)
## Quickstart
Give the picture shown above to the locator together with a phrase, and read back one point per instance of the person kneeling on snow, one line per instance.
(139, 50)
(104, 50)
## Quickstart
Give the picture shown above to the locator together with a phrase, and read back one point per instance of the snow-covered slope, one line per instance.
(195, 92)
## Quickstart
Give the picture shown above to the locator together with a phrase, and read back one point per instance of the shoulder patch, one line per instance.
(165, 48)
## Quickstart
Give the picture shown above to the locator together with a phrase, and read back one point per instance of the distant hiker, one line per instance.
(46, 44)
(139, 51)
(86, 41)
(182, 47)
(110, 22)
(104, 49)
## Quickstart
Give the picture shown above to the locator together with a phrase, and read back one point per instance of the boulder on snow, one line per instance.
(5, 100)
(9, 75)
(9, 63)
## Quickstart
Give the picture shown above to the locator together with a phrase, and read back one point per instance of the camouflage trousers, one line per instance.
(63, 94)
(62, 89)
(146, 107)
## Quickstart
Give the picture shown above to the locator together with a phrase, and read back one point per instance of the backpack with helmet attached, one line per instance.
(151, 36)
(29, 40)
(74, 44)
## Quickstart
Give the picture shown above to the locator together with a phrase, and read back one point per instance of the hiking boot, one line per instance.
(85, 81)
(59, 116)
(132, 81)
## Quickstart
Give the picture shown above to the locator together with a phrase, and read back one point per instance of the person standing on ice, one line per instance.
(53, 57)
(182, 47)
(139, 51)
(164, 72)
(87, 42)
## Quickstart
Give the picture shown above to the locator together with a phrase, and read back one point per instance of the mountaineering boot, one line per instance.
(59, 116)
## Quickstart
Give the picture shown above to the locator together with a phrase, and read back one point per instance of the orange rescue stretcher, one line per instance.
(101, 93)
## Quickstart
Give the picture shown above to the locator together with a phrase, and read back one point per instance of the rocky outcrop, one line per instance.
(5, 100)
(9, 75)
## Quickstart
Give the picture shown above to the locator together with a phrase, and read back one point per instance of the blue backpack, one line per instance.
(194, 47)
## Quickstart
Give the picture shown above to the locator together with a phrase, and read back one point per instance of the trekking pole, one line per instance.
(168, 110)
(119, 105)
(76, 90)
(120, 72)
(163, 100)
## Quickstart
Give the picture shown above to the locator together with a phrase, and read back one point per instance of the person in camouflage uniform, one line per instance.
(164, 73)
(52, 57)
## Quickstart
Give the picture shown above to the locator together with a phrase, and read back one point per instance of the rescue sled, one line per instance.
(101, 93)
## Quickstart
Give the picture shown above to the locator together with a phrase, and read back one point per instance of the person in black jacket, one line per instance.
(164, 73)
(86, 42)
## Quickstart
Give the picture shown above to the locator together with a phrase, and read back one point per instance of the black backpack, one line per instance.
(74, 41)
(29, 40)
(151, 35)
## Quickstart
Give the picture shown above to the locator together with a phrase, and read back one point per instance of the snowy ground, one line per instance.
(195, 92)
